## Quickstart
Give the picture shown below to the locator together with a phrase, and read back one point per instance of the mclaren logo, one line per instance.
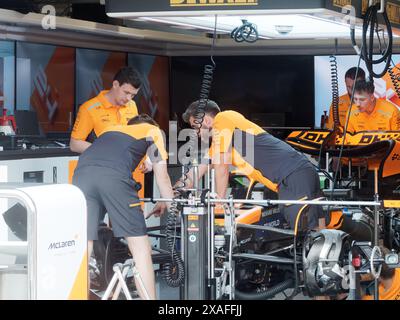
(61, 244)
(202, 3)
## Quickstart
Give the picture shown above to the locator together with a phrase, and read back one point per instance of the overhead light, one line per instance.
(308, 19)
(268, 26)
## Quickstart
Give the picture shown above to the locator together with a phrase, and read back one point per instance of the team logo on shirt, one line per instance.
(105, 118)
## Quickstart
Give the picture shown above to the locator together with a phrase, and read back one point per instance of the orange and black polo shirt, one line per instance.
(98, 113)
(343, 106)
(122, 147)
(271, 161)
(393, 293)
(384, 117)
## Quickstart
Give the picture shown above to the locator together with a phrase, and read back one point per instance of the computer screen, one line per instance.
(272, 90)
(27, 123)
(269, 119)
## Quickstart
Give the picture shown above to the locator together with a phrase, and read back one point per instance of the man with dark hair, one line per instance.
(275, 164)
(104, 174)
(344, 100)
(210, 108)
(371, 114)
(143, 118)
(112, 107)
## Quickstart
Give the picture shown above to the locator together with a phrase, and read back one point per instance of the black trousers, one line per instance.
(302, 184)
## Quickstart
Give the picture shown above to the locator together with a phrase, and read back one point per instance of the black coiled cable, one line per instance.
(335, 90)
(335, 107)
(395, 77)
(204, 94)
(371, 22)
(246, 32)
(174, 272)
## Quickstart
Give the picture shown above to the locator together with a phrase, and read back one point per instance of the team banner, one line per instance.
(45, 81)
(95, 71)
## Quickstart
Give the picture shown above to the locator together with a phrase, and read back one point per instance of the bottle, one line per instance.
(324, 120)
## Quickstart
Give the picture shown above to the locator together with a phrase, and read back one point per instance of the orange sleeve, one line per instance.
(158, 140)
(351, 127)
(83, 124)
(395, 120)
(222, 133)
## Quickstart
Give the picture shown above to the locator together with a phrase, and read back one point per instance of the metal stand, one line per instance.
(195, 246)
(119, 279)
(376, 229)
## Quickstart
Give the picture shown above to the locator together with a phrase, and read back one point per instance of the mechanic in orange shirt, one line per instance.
(260, 156)
(371, 114)
(109, 107)
(389, 282)
(344, 100)
(104, 176)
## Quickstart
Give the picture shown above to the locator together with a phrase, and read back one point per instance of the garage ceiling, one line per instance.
(136, 29)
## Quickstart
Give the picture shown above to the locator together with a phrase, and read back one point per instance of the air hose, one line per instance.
(267, 294)
(370, 22)
(335, 108)
(335, 91)
(395, 80)
(174, 272)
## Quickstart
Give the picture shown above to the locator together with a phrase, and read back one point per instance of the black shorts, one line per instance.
(105, 189)
(302, 184)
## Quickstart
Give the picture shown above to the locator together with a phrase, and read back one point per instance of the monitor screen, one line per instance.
(27, 123)
(274, 91)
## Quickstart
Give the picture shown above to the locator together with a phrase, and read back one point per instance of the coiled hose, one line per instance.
(269, 293)
(174, 272)
(335, 107)
(367, 50)
(335, 91)
(395, 80)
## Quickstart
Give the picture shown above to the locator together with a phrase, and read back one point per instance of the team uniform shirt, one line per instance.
(384, 117)
(393, 293)
(104, 176)
(122, 147)
(343, 106)
(98, 113)
(272, 159)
